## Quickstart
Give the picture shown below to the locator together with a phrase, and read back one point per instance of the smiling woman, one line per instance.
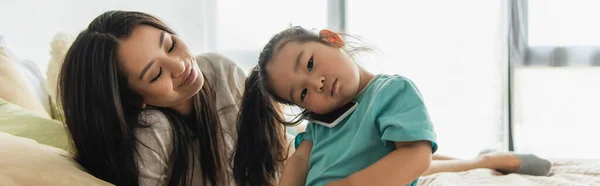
(138, 108)
(160, 69)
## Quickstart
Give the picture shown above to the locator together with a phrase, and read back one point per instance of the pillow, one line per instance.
(36, 82)
(25, 162)
(14, 88)
(24, 123)
(59, 46)
(28, 71)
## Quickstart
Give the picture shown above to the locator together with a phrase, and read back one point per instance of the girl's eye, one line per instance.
(157, 76)
(172, 45)
(303, 94)
(310, 64)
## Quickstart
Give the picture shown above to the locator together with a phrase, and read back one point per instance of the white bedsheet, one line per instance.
(564, 172)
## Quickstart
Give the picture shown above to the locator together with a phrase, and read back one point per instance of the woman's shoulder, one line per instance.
(215, 66)
(216, 59)
(154, 134)
(154, 144)
(153, 120)
(224, 75)
(227, 79)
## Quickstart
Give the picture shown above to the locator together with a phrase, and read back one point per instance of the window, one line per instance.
(563, 23)
(556, 100)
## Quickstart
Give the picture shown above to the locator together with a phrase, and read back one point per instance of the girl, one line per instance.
(387, 140)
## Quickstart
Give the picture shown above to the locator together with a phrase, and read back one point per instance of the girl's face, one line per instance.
(160, 67)
(314, 76)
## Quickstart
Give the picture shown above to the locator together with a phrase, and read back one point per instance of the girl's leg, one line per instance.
(501, 161)
(443, 157)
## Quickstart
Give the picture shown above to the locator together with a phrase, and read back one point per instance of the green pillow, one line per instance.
(21, 122)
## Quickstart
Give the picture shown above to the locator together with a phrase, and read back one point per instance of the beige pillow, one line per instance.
(58, 49)
(26, 162)
(13, 87)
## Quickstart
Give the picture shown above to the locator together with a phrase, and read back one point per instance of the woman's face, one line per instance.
(160, 67)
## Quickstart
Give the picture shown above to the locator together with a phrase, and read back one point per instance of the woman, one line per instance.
(139, 108)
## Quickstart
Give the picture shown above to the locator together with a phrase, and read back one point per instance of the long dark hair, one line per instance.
(260, 149)
(102, 112)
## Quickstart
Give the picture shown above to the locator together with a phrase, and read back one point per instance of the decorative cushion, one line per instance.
(26, 162)
(20, 85)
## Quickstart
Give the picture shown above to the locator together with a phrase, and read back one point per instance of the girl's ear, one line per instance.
(332, 38)
(144, 106)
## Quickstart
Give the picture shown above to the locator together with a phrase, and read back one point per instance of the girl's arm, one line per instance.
(296, 167)
(401, 167)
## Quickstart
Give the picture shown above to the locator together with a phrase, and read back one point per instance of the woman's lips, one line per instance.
(192, 76)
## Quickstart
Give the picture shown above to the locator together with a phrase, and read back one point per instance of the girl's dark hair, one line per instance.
(261, 146)
(102, 113)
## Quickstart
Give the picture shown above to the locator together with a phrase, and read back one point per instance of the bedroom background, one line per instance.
(506, 74)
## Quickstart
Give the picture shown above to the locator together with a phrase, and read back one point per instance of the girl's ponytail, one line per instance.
(261, 146)
(259, 152)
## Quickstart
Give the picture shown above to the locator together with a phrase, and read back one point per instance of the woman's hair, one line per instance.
(259, 152)
(102, 112)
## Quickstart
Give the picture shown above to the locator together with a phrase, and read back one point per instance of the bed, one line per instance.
(564, 173)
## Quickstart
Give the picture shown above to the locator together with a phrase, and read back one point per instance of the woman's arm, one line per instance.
(296, 167)
(402, 166)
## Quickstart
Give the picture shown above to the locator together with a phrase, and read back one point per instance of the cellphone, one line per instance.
(333, 118)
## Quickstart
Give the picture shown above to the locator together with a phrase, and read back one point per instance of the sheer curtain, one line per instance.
(556, 87)
(455, 52)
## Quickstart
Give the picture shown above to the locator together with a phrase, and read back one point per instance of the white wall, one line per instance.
(29, 25)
